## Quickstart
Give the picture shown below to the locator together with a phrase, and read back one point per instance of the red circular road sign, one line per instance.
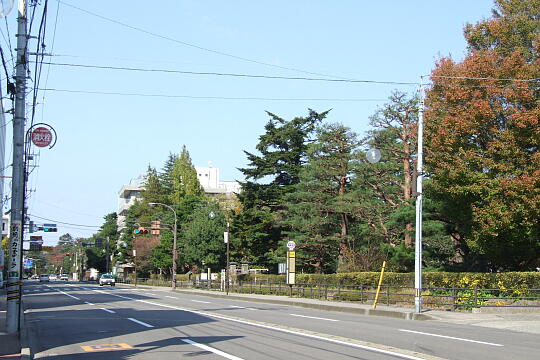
(41, 137)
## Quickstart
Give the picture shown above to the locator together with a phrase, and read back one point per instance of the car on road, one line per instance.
(44, 278)
(53, 277)
(107, 279)
(64, 277)
(34, 277)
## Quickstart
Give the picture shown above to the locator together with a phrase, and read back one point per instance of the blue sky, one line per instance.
(105, 140)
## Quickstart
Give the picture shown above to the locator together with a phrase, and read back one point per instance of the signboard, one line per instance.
(41, 137)
(226, 237)
(15, 248)
(291, 245)
(291, 268)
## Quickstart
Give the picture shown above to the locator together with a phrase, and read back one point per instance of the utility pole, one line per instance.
(419, 199)
(17, 191)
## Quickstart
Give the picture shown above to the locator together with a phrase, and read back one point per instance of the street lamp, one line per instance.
(175, 254)
(212, 215)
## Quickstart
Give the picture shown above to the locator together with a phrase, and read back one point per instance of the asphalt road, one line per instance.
(85, 321)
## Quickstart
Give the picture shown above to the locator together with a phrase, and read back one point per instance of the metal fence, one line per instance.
(433, 298)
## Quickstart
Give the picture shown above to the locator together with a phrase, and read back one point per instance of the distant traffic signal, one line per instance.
(140, 231)
(50, 229)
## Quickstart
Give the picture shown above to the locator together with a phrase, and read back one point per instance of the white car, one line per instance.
(53, 277)
(107, 279)
(44, 278)
(64, 277)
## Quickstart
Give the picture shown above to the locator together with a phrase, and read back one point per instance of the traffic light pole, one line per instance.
(17, 191)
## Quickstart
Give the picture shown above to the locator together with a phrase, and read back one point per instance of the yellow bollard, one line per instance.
(379, 286)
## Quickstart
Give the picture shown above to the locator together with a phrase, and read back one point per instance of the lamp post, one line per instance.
(175, 253)
(212, 215)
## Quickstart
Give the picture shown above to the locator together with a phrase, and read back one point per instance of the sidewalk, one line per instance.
(516, 319)
(10, 347)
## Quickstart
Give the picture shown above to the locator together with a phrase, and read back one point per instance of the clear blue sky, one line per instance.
(104, 140)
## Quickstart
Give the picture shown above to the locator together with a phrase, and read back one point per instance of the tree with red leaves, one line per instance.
(482, 138)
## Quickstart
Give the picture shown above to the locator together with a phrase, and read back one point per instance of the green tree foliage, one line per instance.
(320, 207)
(184, 178)
(202, 242)
(269, 176)
(482, 138)
(66, 239)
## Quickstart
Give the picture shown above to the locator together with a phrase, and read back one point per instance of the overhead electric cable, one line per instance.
(191, 45)
(210, 73)
(66, 223)
(207, 97)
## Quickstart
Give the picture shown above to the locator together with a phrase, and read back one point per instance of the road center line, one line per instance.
(450, 337)
(89, 303)
(171, 297)
(215, 351)
(140, 322)
(107, 310)
(203, 302)
(313, 317)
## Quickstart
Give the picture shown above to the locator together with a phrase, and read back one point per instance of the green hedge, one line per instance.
(507, 280)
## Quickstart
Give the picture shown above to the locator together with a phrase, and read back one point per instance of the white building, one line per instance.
(208, 178)
(127, 196)
(212, 185)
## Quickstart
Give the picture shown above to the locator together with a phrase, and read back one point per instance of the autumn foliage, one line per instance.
(482, 138)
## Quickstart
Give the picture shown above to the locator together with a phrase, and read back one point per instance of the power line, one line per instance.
(65, 223)
(210, 73)
(163, 37)
(206, 97)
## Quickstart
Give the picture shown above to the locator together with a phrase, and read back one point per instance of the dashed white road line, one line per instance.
(141, 323)
(171, 297)
(276, 328)
(202, 302)
(65, 293)
(313, 317)
(211, 349)
(89, 303)
(107, 310)
(450, 337)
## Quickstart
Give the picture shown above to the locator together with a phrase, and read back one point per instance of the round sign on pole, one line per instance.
(41, 137)
(291, 245)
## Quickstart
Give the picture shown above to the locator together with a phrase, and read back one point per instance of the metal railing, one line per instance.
(433, 298)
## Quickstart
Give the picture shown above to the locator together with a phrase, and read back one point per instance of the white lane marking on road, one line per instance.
(215, 351)
(140, 322)
(450, 337)
(65, 293)
(202, 302)
(107, 310)
(171, 297)
(246, 322)
(313, 317)
(150, 294)
(89, 303)
(237, 307)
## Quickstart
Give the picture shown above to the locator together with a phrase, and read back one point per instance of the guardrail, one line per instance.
(434, 298)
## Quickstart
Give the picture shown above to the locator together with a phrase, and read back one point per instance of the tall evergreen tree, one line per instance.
(320, 207)
(184, 178)
(270, 175)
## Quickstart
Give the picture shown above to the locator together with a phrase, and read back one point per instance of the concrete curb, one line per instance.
(23, 337)
(405, 315)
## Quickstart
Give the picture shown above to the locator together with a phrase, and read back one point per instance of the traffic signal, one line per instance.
(140, 231)
(50, 229)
